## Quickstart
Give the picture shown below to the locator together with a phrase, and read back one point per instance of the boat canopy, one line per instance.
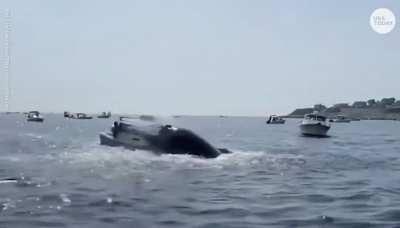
(34, 112)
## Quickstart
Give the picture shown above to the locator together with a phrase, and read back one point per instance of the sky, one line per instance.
(230, 57)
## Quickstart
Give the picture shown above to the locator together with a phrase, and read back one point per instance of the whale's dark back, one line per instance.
(182, 141)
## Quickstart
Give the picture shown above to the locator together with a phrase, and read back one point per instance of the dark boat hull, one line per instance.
(276, 122)
(35, 119)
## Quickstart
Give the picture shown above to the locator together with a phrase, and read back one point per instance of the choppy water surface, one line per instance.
(56, 174)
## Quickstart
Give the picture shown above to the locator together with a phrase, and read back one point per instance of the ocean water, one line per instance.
(56, 174)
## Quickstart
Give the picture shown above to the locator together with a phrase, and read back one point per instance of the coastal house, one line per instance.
(300, 112)
(371, 102)
(319, 107)
(388, 101)
(359, 104)
(341, 105)
(393, 109)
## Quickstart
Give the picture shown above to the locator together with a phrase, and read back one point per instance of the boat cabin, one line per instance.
(33, 113)
(315, 117)
(81, 115)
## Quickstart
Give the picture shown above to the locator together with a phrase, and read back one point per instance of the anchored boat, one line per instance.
(68, 115)
(341, 119)
(274, 119)
(34, 116)
(82, 116)
(314, 124)
(104, 115)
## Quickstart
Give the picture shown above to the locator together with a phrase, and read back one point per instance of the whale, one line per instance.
(158, 138)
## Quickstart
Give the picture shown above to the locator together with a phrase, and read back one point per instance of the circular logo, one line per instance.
(382, 21)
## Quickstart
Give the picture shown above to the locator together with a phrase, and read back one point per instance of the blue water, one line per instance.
(56, 174)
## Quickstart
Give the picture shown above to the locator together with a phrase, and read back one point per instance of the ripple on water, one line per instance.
(359, 196)
(171, 223)
(225, 212)
(392, 215)
(319, 198)
(30, 223)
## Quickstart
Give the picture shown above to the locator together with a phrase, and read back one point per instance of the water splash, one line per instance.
(119, 160)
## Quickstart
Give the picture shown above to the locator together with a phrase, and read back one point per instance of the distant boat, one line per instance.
(314, 125)
(341, 119)
(147, 117)
(104, 115)
(274, 119)
(82, 116)
(34, 116)
(67, 115)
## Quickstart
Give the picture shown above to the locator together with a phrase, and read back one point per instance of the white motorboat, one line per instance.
(274, 119)
(67, 115)
(341, 119)
(104, 115)
(34, 116)
(81, 116)
(314, 125)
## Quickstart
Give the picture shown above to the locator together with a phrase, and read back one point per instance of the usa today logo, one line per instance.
(382, 20)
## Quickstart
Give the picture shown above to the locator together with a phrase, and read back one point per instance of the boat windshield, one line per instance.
(315, 117)
(33, 113)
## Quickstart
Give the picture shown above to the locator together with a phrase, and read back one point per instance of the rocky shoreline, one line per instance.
(384, 109)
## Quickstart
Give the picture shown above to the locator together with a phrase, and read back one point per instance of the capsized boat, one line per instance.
(274, 119)
(34, 116)
(145, 135)
(314, 124)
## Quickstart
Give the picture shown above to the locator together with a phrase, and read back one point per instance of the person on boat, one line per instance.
(115, 128)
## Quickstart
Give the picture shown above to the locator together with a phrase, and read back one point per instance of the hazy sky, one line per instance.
(228, 57)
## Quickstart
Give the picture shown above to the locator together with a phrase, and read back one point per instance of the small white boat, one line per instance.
(104, 115)
(341, 119)
(34, 116)
(314, 125)
(82, 116)
(274, 119)
(67, 115)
